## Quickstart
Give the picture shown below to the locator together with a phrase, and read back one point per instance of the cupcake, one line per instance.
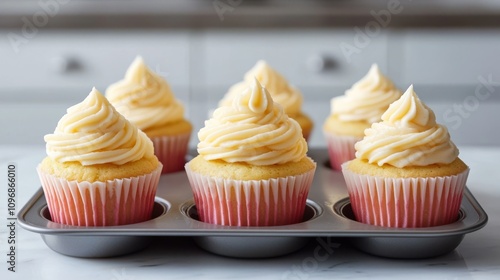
(352, 113)
(100, 170)
(407, 172)
(252, 168)
(145, 99)
(283, 93)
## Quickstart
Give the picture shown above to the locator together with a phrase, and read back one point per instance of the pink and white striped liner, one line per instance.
(405, 202)
(110, 203)
(272, 202)
(340, 148)
(171, 151)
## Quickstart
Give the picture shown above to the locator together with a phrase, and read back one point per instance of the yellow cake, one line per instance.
(75, 171)
(360, 166)
(245, 171)
(147, 101)
(252, 168)
(334, 125)
(352, 113)
(173, 129)
(100, 169)
(407, 172)
(281, 91)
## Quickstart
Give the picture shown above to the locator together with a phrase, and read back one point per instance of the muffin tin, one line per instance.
(328, 214)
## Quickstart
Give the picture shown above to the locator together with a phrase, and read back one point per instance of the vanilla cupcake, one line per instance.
(100, 170)
(282, 93)
(252, 168)
(352, 113)
(146, 100)
(407, 172)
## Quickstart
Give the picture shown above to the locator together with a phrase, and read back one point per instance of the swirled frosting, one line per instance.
(367, 99)
(92, 132)
(252, 129)
(282, 93)
(145, 98)
(408, 135)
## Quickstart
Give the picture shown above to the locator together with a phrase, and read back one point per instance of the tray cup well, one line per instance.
(403, 247)
(253, 246)
(98, 246)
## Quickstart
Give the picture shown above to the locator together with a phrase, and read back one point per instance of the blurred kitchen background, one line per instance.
(52, 52)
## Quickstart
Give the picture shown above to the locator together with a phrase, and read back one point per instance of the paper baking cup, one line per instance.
(272, 202)
(340, 149)
(171, 151)
(405, 202)
(110, 203)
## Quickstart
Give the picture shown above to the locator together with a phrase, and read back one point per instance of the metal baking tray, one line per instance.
(328, 214)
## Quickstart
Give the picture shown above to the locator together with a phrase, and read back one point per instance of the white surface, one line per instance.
(477, 257)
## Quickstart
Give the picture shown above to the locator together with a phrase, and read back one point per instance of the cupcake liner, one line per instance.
(277, 201)
(405, 202)
(171, 151)
(110, 203)
(340, 148)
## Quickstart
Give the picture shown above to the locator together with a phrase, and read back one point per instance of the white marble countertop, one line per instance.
(477, 257)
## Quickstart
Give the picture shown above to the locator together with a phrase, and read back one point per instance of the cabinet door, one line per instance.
(56, 69)
(73, 59)
(307, 58)
(446, 57)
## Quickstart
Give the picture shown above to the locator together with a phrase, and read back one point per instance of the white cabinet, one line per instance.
(57, 68)
(445, 57)
(307, 58)
(78, 59)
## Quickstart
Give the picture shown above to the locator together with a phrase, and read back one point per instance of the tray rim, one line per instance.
(477, 220)
(217, 230)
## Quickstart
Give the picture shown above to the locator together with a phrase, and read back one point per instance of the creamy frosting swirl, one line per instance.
(252, 129)
(92, 132)
(282, 93)
(367, 99)
(145, 98)
(408, 135)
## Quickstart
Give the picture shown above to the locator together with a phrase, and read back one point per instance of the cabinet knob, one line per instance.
(318, 63)
(65, 64)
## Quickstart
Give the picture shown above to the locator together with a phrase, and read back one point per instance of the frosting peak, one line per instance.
(409, 111)
(367, 99)
(408, 135)
(137, 70)
(92, 132)
(373, 81)
(258, 101)
(252, 129)
(282, 93)
(145, 98)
